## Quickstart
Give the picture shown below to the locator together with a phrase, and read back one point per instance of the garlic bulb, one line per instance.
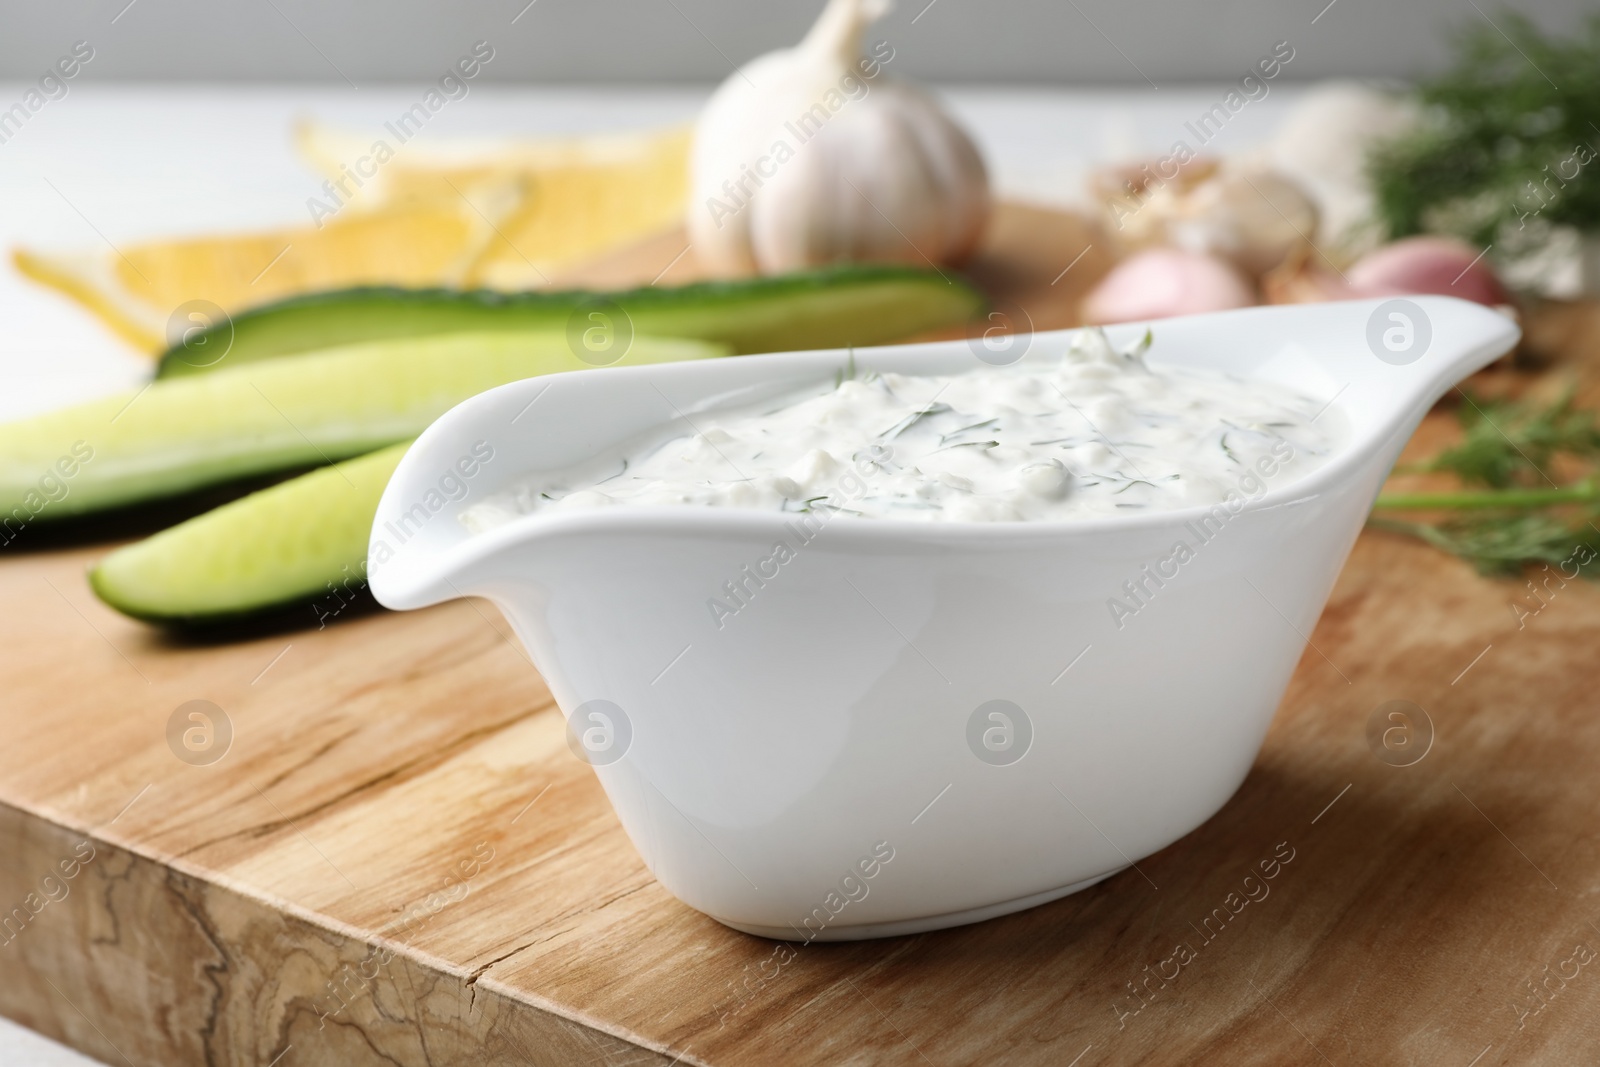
(1252, 216)
(808, 156)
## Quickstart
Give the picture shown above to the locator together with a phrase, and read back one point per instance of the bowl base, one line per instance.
(863, 931)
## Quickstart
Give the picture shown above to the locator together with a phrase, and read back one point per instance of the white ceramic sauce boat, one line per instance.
(822, 765)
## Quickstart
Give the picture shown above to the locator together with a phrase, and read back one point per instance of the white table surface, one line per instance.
(113, 164)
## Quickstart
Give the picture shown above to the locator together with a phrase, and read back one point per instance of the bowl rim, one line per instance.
(1359, 447)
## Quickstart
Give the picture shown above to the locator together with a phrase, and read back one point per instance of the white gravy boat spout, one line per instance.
(907, 726)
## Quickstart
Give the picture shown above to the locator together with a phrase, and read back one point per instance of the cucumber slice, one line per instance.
(300, 411)
(852, 305)
(302, 542)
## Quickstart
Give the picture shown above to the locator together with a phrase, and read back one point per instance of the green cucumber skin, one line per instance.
(177, 436)
(284, 547)
(852, 305)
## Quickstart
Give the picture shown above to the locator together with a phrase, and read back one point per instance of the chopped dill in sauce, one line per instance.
(1096, 431)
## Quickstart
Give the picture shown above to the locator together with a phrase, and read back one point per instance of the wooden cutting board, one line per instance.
(398, 862)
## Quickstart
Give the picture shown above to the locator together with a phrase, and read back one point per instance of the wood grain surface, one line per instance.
(397, 861)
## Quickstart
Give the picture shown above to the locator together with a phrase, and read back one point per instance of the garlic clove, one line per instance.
(1256, 219)
(1161, 282)
(1438, 265)
(1253, 216)
(1138, 200)
(1412, 265)
(1304, 280)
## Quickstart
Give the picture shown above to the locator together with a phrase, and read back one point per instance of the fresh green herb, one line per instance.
(1492, 499)
(1518, 518)
(1510, 444)
(975, 426)
(862, 455)
(1140, 347)
(1508, 131)
(847, 373)
(1501, 545)
(912, 419)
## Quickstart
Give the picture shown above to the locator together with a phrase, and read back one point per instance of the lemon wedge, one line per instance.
(547, 203)
(504, 214)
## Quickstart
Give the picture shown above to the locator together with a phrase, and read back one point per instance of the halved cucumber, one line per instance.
(299, 411)
(850, 305)
(303, 542)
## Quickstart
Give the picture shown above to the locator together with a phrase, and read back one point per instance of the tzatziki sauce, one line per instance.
(1093, 432)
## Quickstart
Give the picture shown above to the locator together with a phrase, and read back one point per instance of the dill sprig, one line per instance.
(1506, 443)
(1136, 352)
(1501, 545)
(912, 419)
(945, 437)
(1508, 516)
(1508, 130)
(846, 373)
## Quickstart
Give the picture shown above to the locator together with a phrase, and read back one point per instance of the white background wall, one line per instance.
(1076, 42)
